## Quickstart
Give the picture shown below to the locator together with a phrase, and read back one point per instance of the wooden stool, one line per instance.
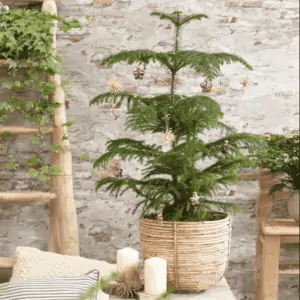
(267, 242)
(272, 233)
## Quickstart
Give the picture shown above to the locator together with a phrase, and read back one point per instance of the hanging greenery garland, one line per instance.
(27, 58)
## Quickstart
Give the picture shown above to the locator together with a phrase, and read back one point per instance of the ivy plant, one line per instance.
(27, 56)
(281, 155)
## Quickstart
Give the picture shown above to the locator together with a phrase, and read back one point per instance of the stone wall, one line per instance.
(265, 33)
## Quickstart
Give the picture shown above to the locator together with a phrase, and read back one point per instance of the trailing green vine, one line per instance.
(26, 59)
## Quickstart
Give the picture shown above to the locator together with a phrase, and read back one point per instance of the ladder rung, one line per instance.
(289, 262)
(6, 262)
(24, 130)
(26, 197)
(289, 272)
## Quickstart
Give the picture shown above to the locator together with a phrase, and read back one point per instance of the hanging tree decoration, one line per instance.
(167, 137)
(206, 86)
(244, 82)
(166, 199)
(114, 167)
(3, 8)
(166, 140)
(119, 173)
(226, 147)
(138, 73)
(195, 199)
(114, 85)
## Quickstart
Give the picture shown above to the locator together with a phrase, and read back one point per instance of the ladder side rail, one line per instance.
(63, 229)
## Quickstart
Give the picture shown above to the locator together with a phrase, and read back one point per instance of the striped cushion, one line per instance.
(50, 288)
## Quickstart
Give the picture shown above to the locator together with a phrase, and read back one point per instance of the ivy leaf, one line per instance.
(65, 137)
(34, 139)
(69, 123)
(33, 172)
(11, 165)
(84, 156)
(5, 85)
(46, 129)
(42, 177)
(44, 169)
(6, 106)
(55, 170)
(89, 18)
(33, 161)
(56, 148)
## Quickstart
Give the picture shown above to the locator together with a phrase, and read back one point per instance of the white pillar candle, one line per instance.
(155, 276)
(127, 257)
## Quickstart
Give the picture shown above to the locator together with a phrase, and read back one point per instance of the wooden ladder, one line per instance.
(62, 229)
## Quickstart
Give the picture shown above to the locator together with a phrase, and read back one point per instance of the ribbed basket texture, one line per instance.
(196, 252)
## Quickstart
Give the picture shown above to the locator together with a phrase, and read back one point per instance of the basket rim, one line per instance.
(227, 218)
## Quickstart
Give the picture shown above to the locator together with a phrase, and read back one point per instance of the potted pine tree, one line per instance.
(180, 220)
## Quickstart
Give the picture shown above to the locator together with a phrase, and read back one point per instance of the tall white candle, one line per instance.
(127, 257)
(155, 276)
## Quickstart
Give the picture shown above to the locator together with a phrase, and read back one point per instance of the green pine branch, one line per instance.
(102, 284)
(109, 97)
(277, 188)
(228, 207)
(238, 141)
(189, 114)
(222, 165)
(207, 64)
(139, 57)
(153, 191)
(147, 114)
(193, 17)
(119, 185)
(175, 20)
(126, 149)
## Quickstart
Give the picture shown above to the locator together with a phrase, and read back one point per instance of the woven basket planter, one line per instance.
(196, 252)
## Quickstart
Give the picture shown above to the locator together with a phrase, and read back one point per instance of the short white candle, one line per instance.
(155, 276)
(127, 257)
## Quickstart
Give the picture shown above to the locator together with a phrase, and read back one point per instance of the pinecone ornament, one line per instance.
(206, 86)
(195, 199)
(138, 73)
(226, 147)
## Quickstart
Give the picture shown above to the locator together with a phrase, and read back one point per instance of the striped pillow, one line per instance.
(50, 288)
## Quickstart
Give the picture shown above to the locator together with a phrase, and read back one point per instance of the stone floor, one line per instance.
(241, 270)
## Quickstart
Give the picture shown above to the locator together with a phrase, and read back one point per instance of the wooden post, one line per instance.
(263, 211)
(63, 230)
(270, 268)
